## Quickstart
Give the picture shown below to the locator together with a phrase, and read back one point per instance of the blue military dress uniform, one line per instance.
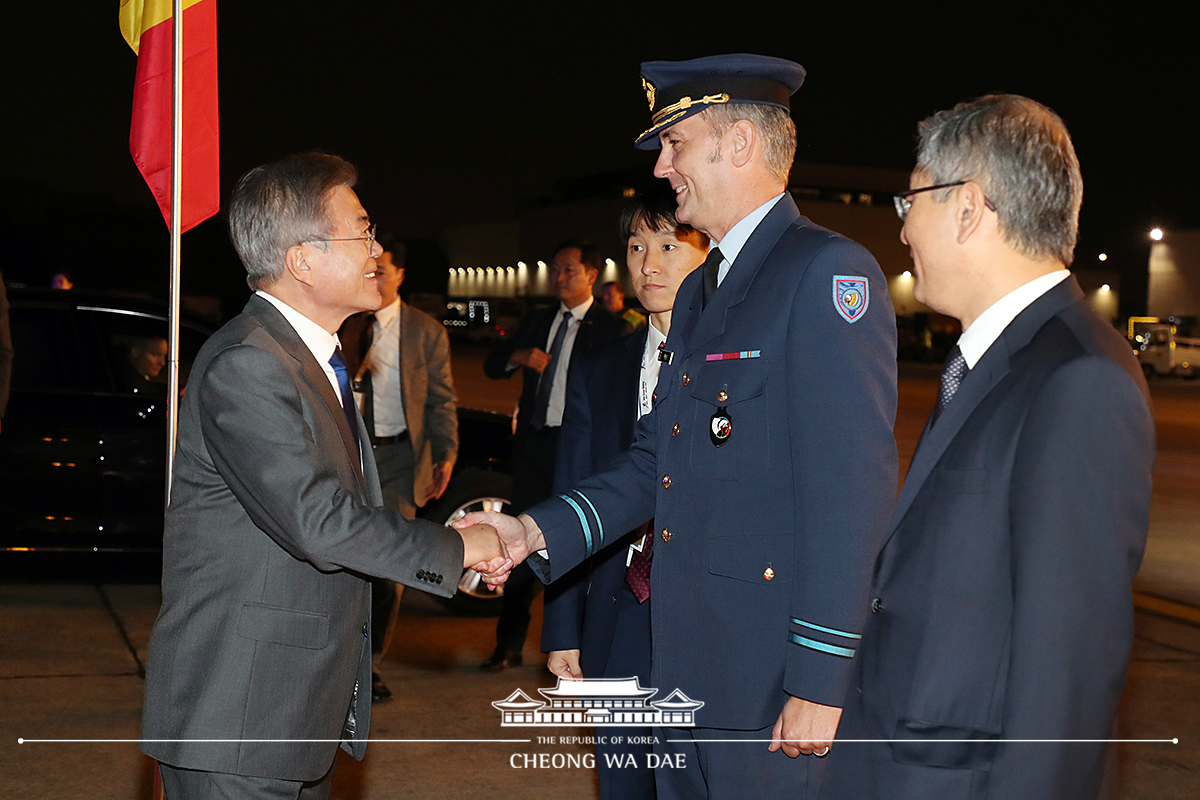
(764, 543)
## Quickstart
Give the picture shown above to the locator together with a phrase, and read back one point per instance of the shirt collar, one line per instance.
(988, 326)
(388, 313)
(578, 311)
(736, 239)
(654, 337)
(320, 342)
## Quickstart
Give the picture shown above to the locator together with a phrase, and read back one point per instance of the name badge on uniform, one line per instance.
(720, 426)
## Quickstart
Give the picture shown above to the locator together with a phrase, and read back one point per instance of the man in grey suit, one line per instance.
(400, 358)
(997, 642)
(259, 661)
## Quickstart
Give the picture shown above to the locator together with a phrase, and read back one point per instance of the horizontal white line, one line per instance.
(268, 741)
(954, 741)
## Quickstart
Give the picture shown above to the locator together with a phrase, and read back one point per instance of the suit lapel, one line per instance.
(989, 371)
(627, 384)
(710, 323)
(283, 333)
(408, 356)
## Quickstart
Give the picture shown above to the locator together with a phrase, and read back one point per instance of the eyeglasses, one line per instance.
(370, 238)
(903, 200)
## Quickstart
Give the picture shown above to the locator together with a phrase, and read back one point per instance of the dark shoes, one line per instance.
(501, 659)
(379, 689)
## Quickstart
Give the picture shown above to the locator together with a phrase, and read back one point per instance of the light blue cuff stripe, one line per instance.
(824, 648)
(587, 529)
(595, 513)
(825, 630)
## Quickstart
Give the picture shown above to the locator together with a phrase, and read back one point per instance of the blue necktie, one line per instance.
(546, 381)
(339, 366)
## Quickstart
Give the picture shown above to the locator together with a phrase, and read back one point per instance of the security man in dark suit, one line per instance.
(768, 463)
(542, 349)
(1002, 610)
(596, 622)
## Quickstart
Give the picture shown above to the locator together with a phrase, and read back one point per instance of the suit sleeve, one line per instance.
(496, 363)
(842, 408)
(562, 623)
(262, 437)
(441, 401)
(1079, 510)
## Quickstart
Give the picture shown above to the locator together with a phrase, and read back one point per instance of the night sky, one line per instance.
(459, 115)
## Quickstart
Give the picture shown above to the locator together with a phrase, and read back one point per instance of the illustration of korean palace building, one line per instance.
(598, 701)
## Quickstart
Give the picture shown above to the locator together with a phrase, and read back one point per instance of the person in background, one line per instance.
(596, 620)
(400, 357)
(542, 350)
(614, 300)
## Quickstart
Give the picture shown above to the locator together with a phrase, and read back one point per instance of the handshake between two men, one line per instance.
(518, 537)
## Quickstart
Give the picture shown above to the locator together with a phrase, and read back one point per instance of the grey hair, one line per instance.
(1019, 151)
(282, 204)
(776, 132)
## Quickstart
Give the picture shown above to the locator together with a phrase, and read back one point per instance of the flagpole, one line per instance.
(176, 237)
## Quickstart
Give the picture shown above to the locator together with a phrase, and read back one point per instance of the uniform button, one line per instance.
(666, 535)
(675, 430)
(666, 481)
(686, 379)
(876, 604)
(769, 574)
(722, 396)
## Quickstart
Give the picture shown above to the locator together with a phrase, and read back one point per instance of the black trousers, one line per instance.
(534, 457)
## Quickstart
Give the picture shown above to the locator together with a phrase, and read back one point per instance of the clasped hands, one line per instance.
(516, 538)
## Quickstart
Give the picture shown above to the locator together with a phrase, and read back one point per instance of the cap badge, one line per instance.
(649, 87)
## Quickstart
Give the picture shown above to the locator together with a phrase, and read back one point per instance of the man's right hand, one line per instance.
(520, 536)
(565, 664)
(483, 551)
(533, 357)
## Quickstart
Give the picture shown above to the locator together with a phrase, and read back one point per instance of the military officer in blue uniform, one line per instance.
(768, 462)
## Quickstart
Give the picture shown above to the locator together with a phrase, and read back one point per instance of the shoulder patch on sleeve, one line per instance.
(851, 296)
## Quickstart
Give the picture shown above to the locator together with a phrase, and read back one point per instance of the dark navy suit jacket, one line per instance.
(1003, 607)
(581, 611)
(762, 566)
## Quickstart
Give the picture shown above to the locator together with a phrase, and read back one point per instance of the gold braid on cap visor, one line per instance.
(665, 116)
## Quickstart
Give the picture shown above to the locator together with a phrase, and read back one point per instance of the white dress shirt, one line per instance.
(558, 392)
(383, 360)
(648, 379)
(988, 326)
(320, 342)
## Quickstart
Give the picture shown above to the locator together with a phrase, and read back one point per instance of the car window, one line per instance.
(48, 354)
(134, 350)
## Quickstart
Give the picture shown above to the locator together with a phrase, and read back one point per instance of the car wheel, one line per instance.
(471, 490)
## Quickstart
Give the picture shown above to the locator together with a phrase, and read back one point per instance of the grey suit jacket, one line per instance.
(273, 522)
(427, 388)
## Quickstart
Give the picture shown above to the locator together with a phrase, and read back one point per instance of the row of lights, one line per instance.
(608, 262)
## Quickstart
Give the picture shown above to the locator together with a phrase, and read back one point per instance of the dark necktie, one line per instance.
(339, 367)
(638, 575)
(952, 376)
(712, 265)
(546, 381)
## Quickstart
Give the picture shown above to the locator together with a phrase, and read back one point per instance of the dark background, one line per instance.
(460, 115)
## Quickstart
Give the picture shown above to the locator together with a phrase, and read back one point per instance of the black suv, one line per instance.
(83, 444)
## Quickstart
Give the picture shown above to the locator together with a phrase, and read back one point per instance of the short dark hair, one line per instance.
(280, 205)
(589, 254)
(654, 208)
(1019, 151)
